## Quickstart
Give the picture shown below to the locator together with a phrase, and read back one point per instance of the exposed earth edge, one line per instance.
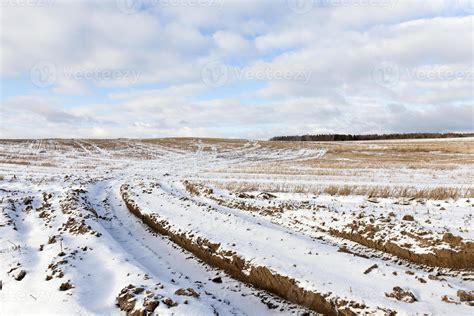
(445, 258)
(257, 276)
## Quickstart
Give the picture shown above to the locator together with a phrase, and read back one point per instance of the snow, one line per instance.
(116, 249)
(314, 264)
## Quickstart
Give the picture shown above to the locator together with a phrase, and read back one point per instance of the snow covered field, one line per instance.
(191, 226)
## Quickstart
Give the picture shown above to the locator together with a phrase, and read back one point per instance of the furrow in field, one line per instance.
(397, 235)
(241, 269)
(292, 265)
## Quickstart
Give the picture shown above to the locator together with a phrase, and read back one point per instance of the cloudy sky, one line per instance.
(247, 69)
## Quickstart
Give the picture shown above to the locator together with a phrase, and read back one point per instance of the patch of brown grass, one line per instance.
(436, 193)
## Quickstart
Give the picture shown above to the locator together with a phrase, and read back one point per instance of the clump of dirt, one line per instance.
(196, 189)
(447, 299)
(217, 280)
(76, 203)
(243, 195)
(344, 249)
(52, 239)
(55, 267)
(169, 302)
(17, 274)
(138, 300)
(78, 227)
(266, 196)
(187, 292)
(375, 266)
(9, 220)
(409, 218)
(373, 200)
(453, 241)
(28, 202)
(467, 297)
(45, 210)
(66, 286)
(402, 295)
(20, 275)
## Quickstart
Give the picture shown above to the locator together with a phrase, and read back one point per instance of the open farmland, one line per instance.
(214, 226)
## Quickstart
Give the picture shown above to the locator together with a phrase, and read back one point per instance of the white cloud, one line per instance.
(164, 48)
(231, 43)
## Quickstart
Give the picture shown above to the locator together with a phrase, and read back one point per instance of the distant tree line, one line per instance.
(349, 137)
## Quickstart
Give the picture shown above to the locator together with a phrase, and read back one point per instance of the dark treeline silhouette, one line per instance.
(349, 137)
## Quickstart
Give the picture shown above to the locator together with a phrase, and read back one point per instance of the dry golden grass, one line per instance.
(411, 154)
(435, 193)
(445, 154)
